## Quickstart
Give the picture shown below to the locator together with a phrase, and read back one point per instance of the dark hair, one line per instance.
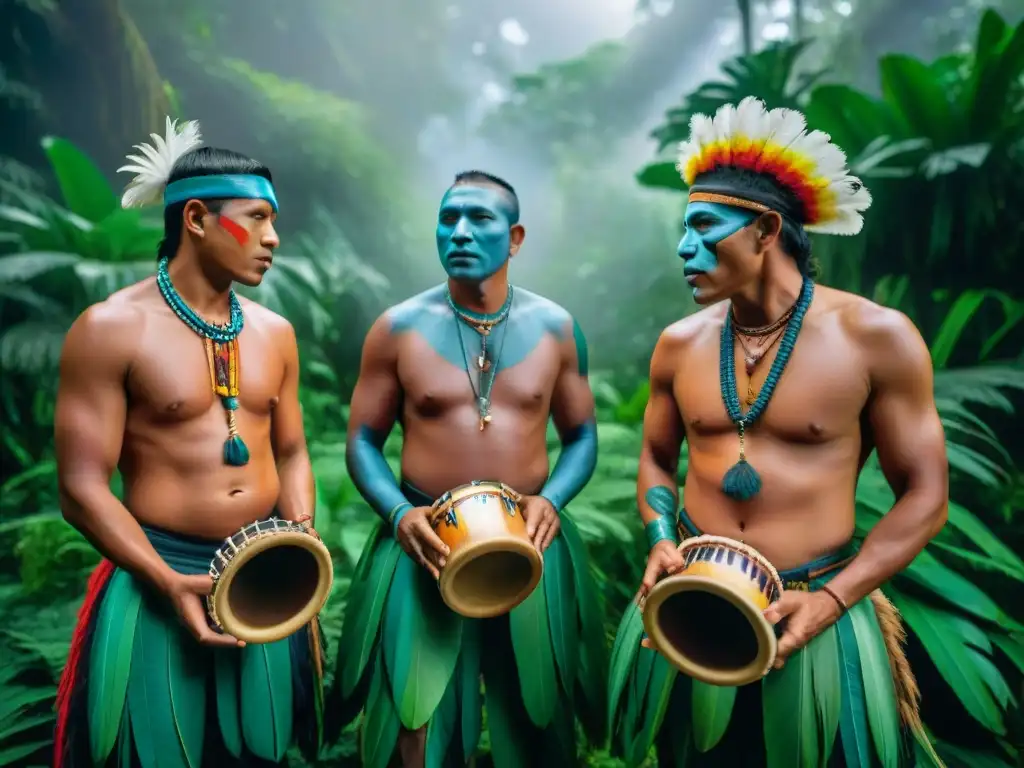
(481, 177)
(204, 161)
(763, 188)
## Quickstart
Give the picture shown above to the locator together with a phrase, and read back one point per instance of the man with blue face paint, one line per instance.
(472, 369)
(782, 389)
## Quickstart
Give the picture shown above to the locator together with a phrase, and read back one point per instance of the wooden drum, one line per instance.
(269, 580)
(707, 619)
(492, 566)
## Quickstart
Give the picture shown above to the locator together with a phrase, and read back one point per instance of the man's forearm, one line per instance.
(99, 516)
(298, 490)
(891, 545)
(657, 499)
(373, 477)
(575, 465)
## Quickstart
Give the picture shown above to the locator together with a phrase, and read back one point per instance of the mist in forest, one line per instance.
(366, 110)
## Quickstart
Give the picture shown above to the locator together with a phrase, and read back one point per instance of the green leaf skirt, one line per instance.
(407, 661)
(139, 690)
(847, 699)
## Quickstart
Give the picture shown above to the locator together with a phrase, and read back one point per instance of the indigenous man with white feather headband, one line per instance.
(152, 383)
(783, 390)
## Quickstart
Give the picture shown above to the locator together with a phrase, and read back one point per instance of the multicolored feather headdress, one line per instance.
(152, 168)
(814, 184)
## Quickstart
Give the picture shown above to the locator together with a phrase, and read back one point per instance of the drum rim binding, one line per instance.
(448, 499)
(277, 525)
(737, 546)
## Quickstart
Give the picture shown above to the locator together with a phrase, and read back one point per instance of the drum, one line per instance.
(492, 566)
(269, 580)
(707, 619)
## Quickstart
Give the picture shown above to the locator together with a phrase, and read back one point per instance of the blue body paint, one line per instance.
(575, 465)
(662, 500)
(473, 232)
(582, 355)
(708, 224)
(372, 476)
(530, 319)
(473, 243)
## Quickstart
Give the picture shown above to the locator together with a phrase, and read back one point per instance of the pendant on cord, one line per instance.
(484, 409)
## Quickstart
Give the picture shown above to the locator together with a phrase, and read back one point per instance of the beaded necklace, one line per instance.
(742, 482)
(221, 342)
(486, 367)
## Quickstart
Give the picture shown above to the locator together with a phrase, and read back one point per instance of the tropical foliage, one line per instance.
(939, 142)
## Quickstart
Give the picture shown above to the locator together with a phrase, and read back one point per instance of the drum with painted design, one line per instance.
(492, 566)
(707, 619)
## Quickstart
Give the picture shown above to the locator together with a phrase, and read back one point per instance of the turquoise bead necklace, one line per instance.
(221, 342)
(742, 482)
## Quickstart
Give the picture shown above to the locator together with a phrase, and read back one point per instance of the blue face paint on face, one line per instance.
(707, 224)
(473, 232)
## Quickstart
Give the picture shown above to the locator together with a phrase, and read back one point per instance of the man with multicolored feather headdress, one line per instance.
(783, 389)
(152, 383)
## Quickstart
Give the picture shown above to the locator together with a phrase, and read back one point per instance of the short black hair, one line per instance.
(204, 161)
(764, 188)
(482, 177)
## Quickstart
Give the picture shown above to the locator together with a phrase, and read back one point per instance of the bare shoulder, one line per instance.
(692, 330)
(542, 308)
(414, 311)
(111, 328)
(265, 319)
(887, 339)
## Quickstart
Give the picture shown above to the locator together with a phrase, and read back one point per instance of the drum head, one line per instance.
(273, 587)
(491, 577)
(709, 631)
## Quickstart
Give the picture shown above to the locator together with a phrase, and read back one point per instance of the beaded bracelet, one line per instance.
(661, 528)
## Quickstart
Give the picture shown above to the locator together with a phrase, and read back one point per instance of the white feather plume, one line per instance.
(152, 167)
(753, 128)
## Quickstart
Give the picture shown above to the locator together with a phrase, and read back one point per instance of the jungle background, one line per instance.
(365, 109)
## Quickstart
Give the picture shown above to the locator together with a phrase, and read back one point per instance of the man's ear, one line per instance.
(516, 235)
(769, 228)
(193, 215)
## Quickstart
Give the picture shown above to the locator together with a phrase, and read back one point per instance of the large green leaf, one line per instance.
(912, 91)
(662, 176)
(955, 646)
(85, 190)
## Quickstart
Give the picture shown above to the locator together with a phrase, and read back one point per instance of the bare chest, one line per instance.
(819, 396)
(171, 380)
(434, 385)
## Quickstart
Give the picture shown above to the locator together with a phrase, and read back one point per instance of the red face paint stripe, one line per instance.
(234, 229)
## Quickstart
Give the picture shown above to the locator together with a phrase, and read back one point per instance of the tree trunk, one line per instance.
(99, 84)
(747, 26)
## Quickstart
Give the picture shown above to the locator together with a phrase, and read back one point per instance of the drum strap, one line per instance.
(799, 578)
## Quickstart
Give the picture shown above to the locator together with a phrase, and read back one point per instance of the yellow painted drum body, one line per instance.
(707, 619)
(269, 580)
(492, 566)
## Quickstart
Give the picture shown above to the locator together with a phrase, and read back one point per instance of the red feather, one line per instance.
(97, 581)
